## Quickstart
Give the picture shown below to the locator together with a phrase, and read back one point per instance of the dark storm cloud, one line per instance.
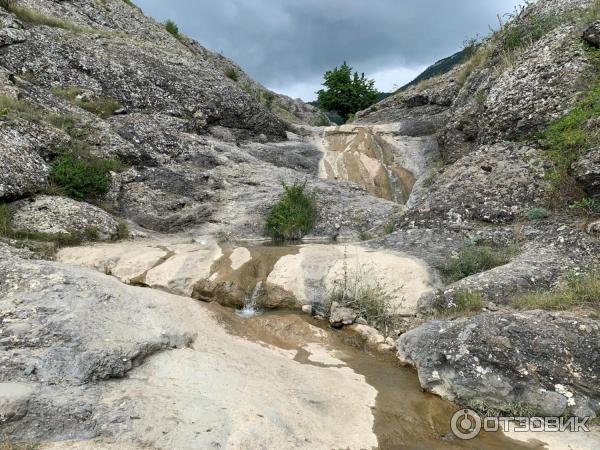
(288, 44)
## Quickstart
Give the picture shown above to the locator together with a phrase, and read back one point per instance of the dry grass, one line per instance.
(479, 58)
(100, 105)
(578, 291)
(359, 290)
(465, 303)
(476, 258)
(32, 16)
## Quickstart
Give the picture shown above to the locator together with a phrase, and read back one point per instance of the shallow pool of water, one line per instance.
(404, 416)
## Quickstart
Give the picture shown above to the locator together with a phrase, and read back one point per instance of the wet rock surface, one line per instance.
(67, 329)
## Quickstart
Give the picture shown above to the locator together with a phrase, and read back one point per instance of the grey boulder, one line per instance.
(53, 215)
(549, 362)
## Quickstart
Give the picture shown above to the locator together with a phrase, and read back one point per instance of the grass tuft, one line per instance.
(122, 232)
(538, 213)
(294, 215)
(465, 302)
(587, 205)
(32, 16)
(5, 445)
(475, 258)
(360, 291)
(578, 291)
(99, 105)
(389, 227)
(478, 59)
(11, 108)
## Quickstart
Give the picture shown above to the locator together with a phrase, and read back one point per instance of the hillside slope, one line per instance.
(98, 82)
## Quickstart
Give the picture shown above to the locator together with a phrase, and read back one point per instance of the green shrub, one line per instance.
(587, 205)
(579, 290)
(83, 178)
(389, 228)
(366, 236)
(232, 74)
(538, 213)
(122, 232)
(475, 258)
(345, 92)
(294, 215)
(172, 28)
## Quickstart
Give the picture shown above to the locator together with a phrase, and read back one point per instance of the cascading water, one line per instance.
(250, 308)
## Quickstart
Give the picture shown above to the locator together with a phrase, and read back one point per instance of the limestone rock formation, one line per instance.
(54, 215)
(547, 361)
(587, 171)
(80, 347)
(196, 145)
(199, 150)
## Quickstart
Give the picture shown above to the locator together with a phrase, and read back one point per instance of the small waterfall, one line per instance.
(250, 305)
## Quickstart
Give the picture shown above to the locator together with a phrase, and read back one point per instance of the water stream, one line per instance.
(250, 308)
(405, 418)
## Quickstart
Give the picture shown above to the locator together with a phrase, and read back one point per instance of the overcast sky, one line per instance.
(288, 44)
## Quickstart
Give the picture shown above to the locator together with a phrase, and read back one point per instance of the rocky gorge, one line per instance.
(467, 204)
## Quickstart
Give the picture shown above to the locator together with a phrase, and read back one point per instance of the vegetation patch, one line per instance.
(346, 93)
(99, 105)
(122, 232)
(362, 293)
(587, 205)
(465, 302)
(294, 215)
(538, 213)
(479, 56)
(474, 258)
(389, 228)
(11, 108)
(172, 28)
(18, 446)
(69, 239)
(366, 236)
(505, 409)
(82, 177)
(232, 74)
(32, 16)
(577, 291)
(569, 137)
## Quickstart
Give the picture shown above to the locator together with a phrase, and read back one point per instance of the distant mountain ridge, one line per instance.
(440, 67)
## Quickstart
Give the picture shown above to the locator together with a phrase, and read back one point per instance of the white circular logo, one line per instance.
(465, 424)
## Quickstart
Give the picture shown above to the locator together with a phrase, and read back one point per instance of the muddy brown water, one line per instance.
(405, 417)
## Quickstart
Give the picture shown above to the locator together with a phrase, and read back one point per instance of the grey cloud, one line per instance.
(285, 42)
